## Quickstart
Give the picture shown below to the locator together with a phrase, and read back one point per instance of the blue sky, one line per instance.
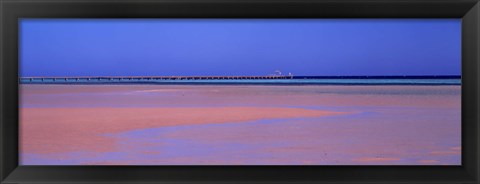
(165, 47)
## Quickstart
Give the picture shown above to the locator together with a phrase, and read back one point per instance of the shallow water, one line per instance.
(374, 125)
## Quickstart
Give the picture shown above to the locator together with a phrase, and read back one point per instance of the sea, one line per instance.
(387, 120)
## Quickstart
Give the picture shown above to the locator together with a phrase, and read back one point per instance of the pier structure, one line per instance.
(147, 78)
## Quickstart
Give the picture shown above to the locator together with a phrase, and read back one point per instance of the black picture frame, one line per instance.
(12, 10)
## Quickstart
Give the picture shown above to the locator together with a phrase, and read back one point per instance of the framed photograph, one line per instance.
(239, 91)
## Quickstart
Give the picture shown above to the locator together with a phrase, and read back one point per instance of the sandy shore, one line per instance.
(190, 124)
(47, 130)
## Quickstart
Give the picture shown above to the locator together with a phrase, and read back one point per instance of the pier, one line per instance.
(251, 80)
(145, 78)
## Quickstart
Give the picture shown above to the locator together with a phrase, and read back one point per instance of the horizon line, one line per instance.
(119, 76)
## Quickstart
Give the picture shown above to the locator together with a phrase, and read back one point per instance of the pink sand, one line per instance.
(358, 124)
(47, 130)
